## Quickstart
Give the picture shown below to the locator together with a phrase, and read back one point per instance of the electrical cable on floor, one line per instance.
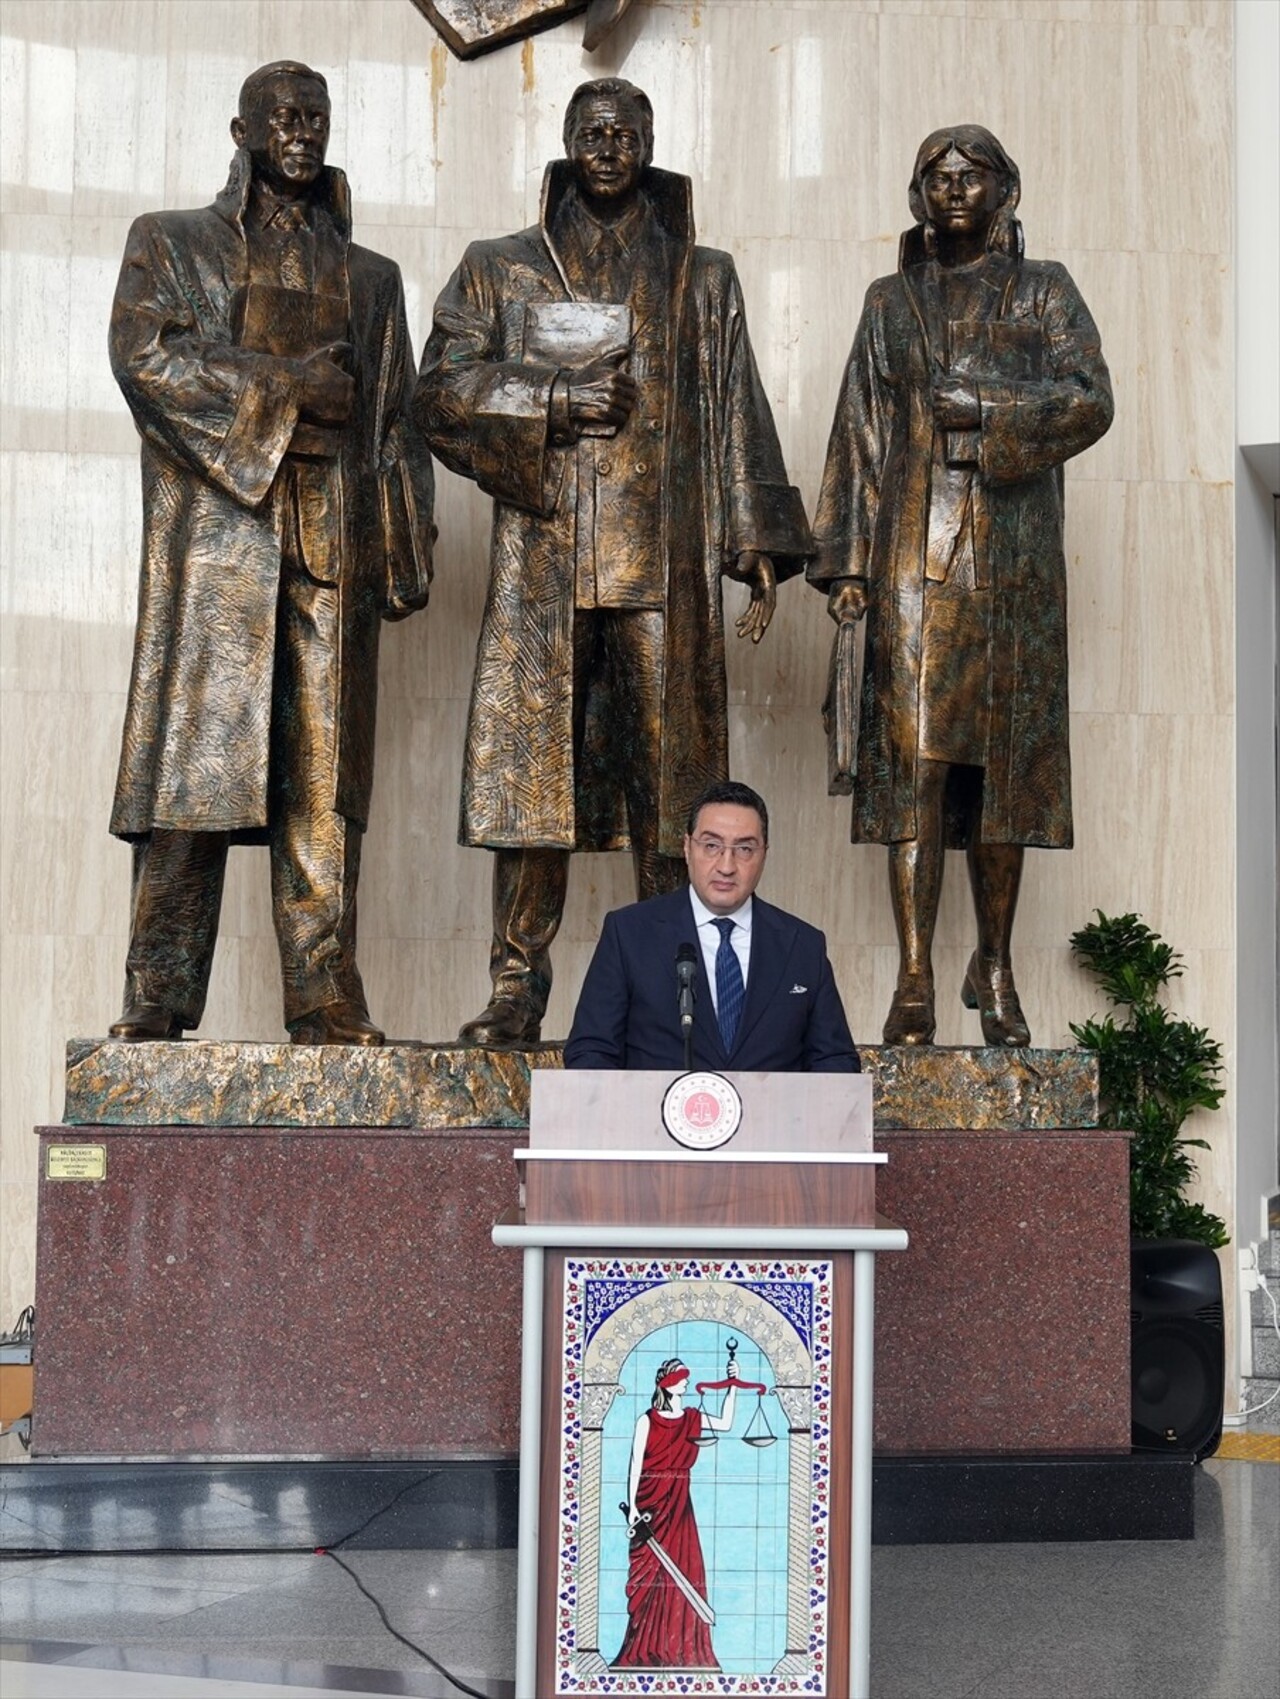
(332, 1551)
(456, 1681)
(32, 1553)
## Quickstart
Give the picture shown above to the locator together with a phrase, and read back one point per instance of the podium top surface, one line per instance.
(783, 1115)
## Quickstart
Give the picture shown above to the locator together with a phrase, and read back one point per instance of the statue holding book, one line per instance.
(594, 376)
(975, 374)
(287, 511)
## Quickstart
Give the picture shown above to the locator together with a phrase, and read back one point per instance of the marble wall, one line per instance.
(798, 122)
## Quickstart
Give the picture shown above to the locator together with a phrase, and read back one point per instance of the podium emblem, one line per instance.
(701, 1111)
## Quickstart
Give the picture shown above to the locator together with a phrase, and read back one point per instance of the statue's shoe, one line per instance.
(342, 1022)
(910, 1019)
(141, 1021)
(507, 1024)
(995, 997)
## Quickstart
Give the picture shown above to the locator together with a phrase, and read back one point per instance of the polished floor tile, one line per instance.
(57, 1681)
(1112, 1620)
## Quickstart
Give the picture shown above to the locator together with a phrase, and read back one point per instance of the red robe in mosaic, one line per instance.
(663, 1629)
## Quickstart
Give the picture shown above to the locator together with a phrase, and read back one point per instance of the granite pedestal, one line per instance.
(262, 1273)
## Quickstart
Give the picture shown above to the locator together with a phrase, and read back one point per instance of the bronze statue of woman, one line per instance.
(974, 375)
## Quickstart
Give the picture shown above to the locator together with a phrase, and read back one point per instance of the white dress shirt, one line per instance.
(709, 938)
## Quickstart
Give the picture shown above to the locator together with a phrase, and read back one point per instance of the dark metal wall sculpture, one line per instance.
(593, 374)
(287, 503)
(974, 375)
(472, 27)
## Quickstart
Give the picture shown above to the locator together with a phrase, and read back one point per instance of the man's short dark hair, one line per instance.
(736, 796)
(252, 84)
(619, 89)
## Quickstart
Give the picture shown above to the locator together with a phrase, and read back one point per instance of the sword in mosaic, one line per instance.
(643, 1533)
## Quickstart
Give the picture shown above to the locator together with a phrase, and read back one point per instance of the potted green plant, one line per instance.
(1154, 1071)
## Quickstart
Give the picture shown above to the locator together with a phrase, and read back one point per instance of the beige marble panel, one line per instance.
(922, 85)
(122, 68)
(1184, 122)
(1079, 153)
(835, 97)
(464, 515)
(26, 1021)
(828, 282)
(479, 138)
(245, 998)
(427, 255)
(746, 153)
(91, 389)
(88, 979)
(387, 142)
(35, 277)
(1151, 629)
(246, 897)
(788, 667)
(1166, 326)
(416, 880)
(209, 57)
(1154, 811)
(33, 501)
(38, 85)
(425, 989)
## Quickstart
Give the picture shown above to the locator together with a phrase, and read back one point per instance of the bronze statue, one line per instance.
(287, 510)
(593, 374)
(974, 375)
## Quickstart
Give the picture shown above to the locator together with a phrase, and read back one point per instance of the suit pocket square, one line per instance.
(798, 990)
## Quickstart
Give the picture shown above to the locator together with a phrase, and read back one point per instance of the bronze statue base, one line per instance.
(453, 1086)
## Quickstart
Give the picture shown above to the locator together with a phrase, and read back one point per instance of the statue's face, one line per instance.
(286, 133)
(961, 198)
(609, 149)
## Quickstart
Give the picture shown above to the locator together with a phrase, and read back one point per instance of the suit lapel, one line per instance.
(678, 927)
(770, 950)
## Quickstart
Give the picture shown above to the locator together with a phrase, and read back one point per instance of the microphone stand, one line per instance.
(686, 973)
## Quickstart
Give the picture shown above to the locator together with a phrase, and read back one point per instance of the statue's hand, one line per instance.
(847, 600)
(756, 570)
(955, 405)
(601, 394)
(327, 391)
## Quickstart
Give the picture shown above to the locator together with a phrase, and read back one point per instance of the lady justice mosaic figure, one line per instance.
(974, 375)
(668, 1618)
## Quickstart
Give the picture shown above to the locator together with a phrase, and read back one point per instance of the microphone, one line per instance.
(686, 976)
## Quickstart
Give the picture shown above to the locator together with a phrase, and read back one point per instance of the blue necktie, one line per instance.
(730, 993)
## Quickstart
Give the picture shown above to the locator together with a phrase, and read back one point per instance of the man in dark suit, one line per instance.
(766, 999)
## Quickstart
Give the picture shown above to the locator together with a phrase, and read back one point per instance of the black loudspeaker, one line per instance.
(1178, 1358)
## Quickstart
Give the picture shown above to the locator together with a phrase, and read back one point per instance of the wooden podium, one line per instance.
(737, 1283)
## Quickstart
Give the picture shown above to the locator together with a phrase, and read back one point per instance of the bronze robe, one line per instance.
(722, 488)
(1045, 395)
(216, 421)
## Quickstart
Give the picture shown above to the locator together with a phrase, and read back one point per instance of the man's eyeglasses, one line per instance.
(745, 849)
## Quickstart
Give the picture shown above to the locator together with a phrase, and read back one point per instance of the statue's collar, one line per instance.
(669, 195)
(330, 193)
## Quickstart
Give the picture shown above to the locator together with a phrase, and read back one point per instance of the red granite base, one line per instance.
(1005, 1325)
(239, 1292)
(269, 1292)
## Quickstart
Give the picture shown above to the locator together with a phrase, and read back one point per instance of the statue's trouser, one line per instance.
(529, 885)
(315, 852)
(915, 883)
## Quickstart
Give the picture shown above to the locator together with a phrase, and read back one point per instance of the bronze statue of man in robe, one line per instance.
(287, 510)
(593, 374)
(974, 375)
